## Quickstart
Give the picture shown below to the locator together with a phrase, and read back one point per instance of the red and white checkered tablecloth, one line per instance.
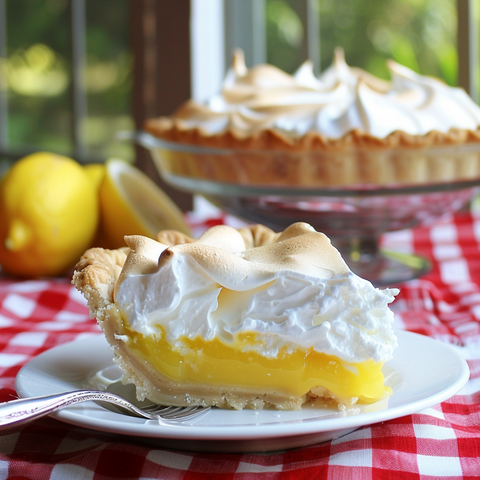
(440, 442)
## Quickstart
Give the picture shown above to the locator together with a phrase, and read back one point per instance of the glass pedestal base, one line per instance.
(382, 267)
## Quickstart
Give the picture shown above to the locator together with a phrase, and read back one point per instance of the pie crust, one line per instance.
(271, 158)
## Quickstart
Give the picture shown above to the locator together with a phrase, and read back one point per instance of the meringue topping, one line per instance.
(296, 291)
(341, 100)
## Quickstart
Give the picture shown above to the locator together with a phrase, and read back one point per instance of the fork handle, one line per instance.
(23, 410)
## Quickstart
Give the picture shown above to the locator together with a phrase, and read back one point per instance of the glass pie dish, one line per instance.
(352, 196)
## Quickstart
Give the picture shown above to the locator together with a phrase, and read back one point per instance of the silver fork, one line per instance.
(23, 410)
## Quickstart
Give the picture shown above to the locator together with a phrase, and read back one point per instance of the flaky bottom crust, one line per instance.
(95, 277)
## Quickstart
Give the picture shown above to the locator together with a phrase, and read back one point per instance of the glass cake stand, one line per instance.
(353, 197)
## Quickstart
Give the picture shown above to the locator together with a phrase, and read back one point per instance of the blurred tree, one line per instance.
(420, 34)
(39, 69)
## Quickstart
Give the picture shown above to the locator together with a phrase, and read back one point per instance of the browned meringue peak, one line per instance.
(142, 258)
(248, 81)
(344, 71)
(263, 88)
(310, 254)
(224, 237)
(222, 254)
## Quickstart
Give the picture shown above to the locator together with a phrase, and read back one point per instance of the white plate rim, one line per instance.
(27, 385)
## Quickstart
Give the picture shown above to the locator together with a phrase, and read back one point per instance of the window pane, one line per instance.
(285, 34)
(420, 34)
(108, 78)
(38, 71)
(37, 75)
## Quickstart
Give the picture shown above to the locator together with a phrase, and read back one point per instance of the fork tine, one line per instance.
(175, 413)
(195, 413)
(178, 412)
(187, 413)
(161, 410)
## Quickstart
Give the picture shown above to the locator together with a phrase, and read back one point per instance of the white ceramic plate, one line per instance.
(422, 373)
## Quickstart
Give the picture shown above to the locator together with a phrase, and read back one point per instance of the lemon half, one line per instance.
(132, 204)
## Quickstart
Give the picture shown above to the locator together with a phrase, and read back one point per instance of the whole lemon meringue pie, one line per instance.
(342, 128)
(240, 318)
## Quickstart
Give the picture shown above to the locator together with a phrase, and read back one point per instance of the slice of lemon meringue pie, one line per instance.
(243, 318)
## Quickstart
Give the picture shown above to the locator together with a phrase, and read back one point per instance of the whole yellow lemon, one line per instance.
(48, 215)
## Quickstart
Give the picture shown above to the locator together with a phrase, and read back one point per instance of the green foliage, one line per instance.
(40, 119)
(420, 34)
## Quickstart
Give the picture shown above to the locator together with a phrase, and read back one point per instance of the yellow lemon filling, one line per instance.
(237, 364)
